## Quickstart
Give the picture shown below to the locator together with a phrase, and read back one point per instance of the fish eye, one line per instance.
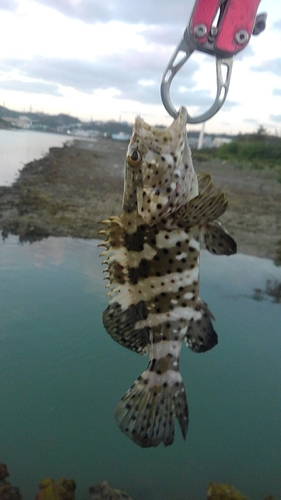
(134, 159)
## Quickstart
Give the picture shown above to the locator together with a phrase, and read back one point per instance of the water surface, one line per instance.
(18, 147)
(61, 376)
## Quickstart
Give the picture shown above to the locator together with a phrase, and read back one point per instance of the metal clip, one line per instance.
(218, 27)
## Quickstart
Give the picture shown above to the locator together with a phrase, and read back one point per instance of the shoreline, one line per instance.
(72, 188)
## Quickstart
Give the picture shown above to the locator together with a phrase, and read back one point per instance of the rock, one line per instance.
(7, 491)
(3, 472)
(103, 491)
(56, 490)
(223, 492)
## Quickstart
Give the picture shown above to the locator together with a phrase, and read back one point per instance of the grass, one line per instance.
(257, 151)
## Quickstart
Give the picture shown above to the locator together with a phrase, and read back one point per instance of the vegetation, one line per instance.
(258, 150)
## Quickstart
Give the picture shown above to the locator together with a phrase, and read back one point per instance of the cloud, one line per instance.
(272, 65)
(202, 99)
(251, 120)
(275, 118)
(247, 52)
(31, 87)
(277, 25)
(276, 92)
(164, 34)
(10, 5)
(134, 75)
(144, 11)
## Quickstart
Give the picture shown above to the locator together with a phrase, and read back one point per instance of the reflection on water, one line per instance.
(61, 376)
(272, 289)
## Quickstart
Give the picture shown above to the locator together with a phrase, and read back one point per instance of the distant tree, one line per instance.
(260, 134)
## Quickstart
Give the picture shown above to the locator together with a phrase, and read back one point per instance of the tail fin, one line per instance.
(147, 410)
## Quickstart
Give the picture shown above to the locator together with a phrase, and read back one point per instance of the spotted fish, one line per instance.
(152, 258)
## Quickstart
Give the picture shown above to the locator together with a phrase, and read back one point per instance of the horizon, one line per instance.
(130, 124)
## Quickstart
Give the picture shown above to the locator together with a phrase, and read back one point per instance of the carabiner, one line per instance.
(220, 28)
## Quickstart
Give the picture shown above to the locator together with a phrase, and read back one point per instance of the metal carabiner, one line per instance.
(173, 68)
(235, 22)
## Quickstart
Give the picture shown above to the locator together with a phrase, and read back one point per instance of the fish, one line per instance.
(152, 252)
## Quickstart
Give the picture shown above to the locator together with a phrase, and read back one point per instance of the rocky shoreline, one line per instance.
(71, 189)
(64, 489)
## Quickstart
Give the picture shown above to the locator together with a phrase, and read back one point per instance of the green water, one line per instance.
(61, 376)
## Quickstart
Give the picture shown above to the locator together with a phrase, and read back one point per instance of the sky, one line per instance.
(104, 59)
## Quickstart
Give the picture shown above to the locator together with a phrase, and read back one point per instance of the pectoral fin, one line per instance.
(200, 335)
(202, 209)
(121, 325)
(217, 240)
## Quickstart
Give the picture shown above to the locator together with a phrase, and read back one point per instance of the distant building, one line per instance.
(121, 136)
(219, 141)
(21, 122)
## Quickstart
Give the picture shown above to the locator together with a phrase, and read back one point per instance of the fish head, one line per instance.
(164, 176)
